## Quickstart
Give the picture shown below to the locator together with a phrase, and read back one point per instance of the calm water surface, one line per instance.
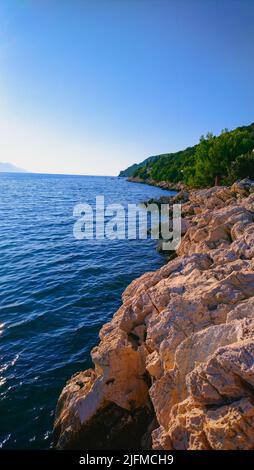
(56, 292)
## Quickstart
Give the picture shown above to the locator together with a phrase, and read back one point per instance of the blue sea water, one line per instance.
(56, 292)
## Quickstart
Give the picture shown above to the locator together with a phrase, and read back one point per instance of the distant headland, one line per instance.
(10, 168)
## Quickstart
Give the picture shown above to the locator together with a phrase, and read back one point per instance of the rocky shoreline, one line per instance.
(175, 366)
(160, 184)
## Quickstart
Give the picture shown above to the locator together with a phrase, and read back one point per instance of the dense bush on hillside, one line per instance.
(242, 166)
(224, 158)
(131, 169)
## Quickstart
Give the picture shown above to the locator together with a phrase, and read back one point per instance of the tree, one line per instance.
(242, 167)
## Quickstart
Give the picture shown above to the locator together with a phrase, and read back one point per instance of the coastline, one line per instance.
(173, 369)
(160, 184)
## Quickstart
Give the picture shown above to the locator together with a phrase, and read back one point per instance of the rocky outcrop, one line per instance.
(175, 367)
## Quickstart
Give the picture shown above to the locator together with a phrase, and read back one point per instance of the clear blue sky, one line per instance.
(91, 86)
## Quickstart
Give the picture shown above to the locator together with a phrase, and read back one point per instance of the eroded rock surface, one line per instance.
(175, 366)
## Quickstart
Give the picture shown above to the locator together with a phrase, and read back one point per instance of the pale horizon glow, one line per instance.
(91, 87)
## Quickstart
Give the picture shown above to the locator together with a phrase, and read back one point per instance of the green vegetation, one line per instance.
(131, 169)
(224, 158)
(242, 166)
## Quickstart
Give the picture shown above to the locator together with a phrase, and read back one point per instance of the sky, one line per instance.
(92, 86)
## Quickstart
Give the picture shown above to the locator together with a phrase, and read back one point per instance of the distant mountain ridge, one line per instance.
(6, 167)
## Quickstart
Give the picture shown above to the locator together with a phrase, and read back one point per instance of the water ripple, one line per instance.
(55, 292)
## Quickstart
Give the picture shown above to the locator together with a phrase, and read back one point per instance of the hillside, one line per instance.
(131, 169)
(223, 159)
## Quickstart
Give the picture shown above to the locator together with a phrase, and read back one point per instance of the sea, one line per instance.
(56, 291)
